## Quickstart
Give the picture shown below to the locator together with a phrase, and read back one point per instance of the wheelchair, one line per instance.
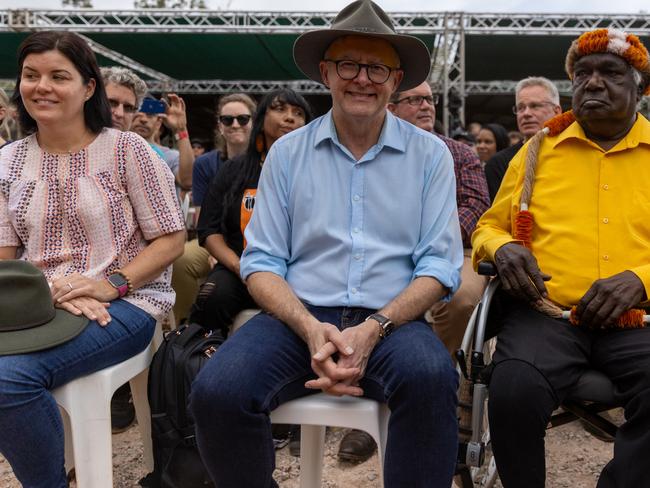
(593, 394)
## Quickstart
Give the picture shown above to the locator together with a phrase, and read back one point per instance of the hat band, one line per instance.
(9, 328)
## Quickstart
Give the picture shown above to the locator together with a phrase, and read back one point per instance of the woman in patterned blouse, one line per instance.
(84, 203)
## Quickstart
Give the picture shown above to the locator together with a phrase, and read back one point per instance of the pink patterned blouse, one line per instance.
(89, 212)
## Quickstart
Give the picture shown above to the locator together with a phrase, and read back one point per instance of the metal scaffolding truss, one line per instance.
(558, 24)
(507, 87)
(152, 20)
(448, 28)
(196, 21)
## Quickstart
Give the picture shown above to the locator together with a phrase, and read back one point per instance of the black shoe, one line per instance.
(294, 441)
(122, 409)
(280, 435)
(595, 431)
(356, 446)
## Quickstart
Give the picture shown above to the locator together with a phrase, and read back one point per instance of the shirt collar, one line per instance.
(390, 136)
(638, 134)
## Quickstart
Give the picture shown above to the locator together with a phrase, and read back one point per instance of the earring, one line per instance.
(259, 143)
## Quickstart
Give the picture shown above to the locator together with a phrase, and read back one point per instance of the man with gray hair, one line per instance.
(536, 101)
(125, 91)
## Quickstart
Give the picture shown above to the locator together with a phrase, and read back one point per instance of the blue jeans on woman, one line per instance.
(265, 364)
(31, 429)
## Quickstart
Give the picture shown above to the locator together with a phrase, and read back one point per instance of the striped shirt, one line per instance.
(89, 212)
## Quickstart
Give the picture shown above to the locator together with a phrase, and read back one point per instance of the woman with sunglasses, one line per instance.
(95, 210)
(228, 207)
(234, 114)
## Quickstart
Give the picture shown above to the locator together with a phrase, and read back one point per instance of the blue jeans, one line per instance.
(31, 429)
(265, 364)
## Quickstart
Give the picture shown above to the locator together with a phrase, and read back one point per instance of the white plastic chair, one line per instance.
(241, 318)
(315, 412)
(86, 403)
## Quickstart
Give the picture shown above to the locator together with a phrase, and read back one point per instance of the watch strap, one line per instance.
(385, 324)
(123, 288)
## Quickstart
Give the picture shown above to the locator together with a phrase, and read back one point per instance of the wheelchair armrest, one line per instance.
(487, 268)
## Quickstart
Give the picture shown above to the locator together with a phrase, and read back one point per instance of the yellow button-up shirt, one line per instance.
(591, 209)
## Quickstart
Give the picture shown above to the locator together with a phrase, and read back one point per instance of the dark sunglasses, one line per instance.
(227, 120)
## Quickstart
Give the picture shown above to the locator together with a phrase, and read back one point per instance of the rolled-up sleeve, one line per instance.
(269, 232)
(439, 253)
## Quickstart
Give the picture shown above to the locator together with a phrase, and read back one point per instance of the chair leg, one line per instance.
(143, 414)
(69, 450)
(90, 421)
(312, 444)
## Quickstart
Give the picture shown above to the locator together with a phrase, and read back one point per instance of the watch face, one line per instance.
(117, 280)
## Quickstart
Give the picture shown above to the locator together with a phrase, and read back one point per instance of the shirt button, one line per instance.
(357, 256)
(605, 187)
(356, 198)
(605, 220)
(354, 291)
(606, 257)
(355, 230)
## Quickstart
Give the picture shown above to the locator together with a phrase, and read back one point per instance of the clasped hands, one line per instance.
(602, 304)
(339, 358)
(81, 295)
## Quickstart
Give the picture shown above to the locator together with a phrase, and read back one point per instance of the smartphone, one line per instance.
(153, 106)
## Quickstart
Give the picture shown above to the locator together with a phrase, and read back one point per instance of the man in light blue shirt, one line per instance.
(355, 235)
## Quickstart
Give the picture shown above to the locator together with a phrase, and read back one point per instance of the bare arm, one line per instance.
(414, 300)
(273, 294)
(217, 247)
(147, 265)
(410, 304)
(176, 119)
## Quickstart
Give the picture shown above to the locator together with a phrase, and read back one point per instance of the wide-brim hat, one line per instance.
(364, 18)
(28, 319)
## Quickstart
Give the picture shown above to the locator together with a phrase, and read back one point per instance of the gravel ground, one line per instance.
(574, 460)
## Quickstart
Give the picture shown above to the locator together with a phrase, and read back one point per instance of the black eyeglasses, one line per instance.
(416, 100)
(227, 120)
(349, 70)
(127, 107)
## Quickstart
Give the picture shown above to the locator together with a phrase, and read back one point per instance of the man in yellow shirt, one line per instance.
(589, 247)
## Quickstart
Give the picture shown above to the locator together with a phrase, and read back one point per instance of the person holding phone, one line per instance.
(233, 129)
(147, 122)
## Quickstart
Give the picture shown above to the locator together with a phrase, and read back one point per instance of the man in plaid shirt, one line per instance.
(417, 106)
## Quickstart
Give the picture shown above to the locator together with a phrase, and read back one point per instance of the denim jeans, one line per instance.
(265, 364)
(31, 429)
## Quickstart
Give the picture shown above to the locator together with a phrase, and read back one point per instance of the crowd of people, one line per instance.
(357, 234)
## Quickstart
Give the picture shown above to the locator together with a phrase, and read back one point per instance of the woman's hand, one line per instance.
(89, 307)
(76, 285)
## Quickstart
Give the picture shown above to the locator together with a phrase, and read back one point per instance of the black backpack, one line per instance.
(179, 359)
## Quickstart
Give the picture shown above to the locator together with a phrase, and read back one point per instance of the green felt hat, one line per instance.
(28, 320)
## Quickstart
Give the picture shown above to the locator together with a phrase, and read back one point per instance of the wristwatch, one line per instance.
(119, 282)
(386, 326)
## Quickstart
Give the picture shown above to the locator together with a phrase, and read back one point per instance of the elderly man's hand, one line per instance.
(608, 298)
(519, 273)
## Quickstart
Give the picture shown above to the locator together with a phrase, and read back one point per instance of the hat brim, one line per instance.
(415, 59)
(62, 328)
